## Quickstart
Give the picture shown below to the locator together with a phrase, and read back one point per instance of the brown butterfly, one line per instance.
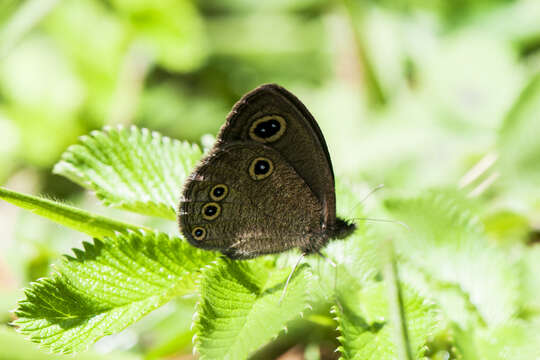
(267, 185)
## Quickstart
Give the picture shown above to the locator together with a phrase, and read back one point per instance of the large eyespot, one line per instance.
(198, 233)
(268, 128)
(211, 210)
(260, 168)
(219, 192)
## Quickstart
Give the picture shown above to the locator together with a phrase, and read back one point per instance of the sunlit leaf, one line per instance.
(15, 347)
(240, 307)
(133, 169)
(106, 287)
(366, 330)
(448, 244)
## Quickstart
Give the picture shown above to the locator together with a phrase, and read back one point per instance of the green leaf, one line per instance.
(448, 245)
(507, 227)
(173, 332)
(69, 216)
(240, 309)
(133, 169)
(106, 287)
(395, 302)
(356, 260)
(366, 332)
(15, 347)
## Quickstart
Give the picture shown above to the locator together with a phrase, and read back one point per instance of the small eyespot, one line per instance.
(219, 192)
(211, 210)
(198, 233)
(268, 128)
(260, 168)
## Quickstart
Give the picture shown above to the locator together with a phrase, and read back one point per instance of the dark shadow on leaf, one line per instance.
(357, 320)
(279, 287)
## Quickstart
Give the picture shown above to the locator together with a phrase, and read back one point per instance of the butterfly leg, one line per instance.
(290, 276)
(334, 265)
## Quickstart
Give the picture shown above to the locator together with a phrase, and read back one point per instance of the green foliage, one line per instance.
(241, 309)
(160, 26)
(367, 331)
(448, 245)
(136, 170)
(106, 287)
(15, 347)
(412, 94)
(127, 272)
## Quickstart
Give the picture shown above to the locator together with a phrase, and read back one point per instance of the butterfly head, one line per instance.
(341, 229)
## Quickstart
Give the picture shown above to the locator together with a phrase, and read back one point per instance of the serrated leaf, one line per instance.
(351, 264)
(133, 169)
(366, 332)
(240, 309)
(15, 347)
(106, 287)
(69, 216)
(448, 244)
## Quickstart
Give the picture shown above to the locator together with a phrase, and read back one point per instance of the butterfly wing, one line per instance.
(273, 116)
(245, 200)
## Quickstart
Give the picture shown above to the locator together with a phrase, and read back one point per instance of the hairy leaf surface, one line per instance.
(133, 169)
(366, 329)
(106, 287)
(240, 307)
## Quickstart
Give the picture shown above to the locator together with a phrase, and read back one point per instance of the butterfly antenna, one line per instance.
(371, 192)
(290, 276)
(400, 223)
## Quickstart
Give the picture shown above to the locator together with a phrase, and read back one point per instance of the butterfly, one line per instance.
(267, 185)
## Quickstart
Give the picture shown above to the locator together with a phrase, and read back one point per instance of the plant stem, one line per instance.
(137, 63)
(375, 94)
(69, 216)
(395, 303)
(25, 18)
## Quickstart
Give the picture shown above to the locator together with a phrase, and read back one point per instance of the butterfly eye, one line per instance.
(260, 168)
(211, 210)
(268, 128)
(219, 192)
(198, 233)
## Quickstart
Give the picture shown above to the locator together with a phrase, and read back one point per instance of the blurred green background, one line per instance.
(408, 93)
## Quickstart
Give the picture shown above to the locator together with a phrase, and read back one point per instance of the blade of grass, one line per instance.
(374, 90)
(72, 217)
(395, 303)
(25, 18)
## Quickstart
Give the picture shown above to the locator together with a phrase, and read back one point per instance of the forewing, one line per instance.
(301, 144)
